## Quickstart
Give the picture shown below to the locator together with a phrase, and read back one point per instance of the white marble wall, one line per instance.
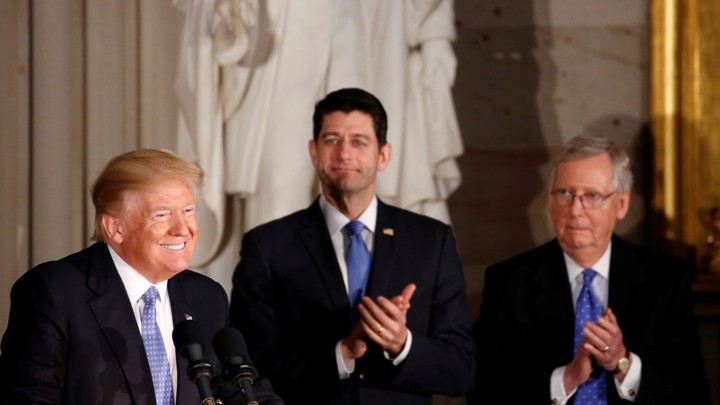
(531, 75)
(14, 147)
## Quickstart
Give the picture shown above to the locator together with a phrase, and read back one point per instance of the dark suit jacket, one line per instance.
(525, 329)
(290, 299)
(72, 337)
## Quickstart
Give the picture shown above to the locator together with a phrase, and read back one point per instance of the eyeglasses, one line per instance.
(589, 200)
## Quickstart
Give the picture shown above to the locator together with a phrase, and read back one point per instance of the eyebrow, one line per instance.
(168, 208)
(352, 135)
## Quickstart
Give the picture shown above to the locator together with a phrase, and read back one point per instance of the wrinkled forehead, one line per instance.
(590, 171)
(159, 194)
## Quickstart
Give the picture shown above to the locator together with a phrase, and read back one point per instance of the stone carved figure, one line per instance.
(250, 72)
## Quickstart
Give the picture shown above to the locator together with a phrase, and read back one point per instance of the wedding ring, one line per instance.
(606, 348)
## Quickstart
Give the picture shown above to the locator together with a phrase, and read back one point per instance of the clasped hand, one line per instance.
(603, 344)
(382, 321)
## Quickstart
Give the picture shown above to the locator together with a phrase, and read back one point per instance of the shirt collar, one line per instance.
(602, 267)
(135, 284)
(336, 220)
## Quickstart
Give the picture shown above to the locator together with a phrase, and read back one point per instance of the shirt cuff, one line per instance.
(558, 396)
(403, 354)
(344, 368)
(630, 386)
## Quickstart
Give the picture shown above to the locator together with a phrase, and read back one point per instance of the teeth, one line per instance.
(174, 247)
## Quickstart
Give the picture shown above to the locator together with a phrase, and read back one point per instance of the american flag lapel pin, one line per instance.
(388, 231)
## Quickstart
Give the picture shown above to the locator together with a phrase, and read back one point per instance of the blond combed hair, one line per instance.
(138, 171)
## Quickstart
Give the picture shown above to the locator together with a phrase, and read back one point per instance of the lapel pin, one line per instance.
(188, 317)
(388, 231)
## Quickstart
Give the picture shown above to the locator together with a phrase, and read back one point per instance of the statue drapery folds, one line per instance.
(250, 72)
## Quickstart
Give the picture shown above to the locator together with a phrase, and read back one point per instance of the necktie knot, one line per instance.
(150, 296)
(588, 276)
(353, 228)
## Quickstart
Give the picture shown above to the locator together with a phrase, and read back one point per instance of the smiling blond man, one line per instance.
(96, 327)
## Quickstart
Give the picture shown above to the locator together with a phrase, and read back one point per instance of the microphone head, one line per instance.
(229, 343)
(188, 339)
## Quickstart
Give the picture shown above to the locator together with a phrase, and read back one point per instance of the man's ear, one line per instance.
(384, 156)
(623, 204)
(113, 228)
(313, 152)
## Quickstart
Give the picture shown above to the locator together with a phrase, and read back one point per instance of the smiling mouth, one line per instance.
(173, 247)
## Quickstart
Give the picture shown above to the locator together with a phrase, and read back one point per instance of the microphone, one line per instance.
(230, 347)
(187, 337)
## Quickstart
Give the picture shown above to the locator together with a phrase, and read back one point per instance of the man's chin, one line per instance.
(176, 266)
(573, 244)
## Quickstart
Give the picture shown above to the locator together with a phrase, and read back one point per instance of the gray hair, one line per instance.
(584, 146)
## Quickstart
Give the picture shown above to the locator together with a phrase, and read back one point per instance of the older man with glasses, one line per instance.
(588, 318)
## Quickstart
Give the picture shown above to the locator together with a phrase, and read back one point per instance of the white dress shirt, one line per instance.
(335, 222)
(600, 286)
(136, 285)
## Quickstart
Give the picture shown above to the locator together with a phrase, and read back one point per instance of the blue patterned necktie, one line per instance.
(155, 350)
(592, 391)
(358, 264)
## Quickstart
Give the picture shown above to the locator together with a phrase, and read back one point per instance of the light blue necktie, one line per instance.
(358, 264)
(155, 350)
(592, 391)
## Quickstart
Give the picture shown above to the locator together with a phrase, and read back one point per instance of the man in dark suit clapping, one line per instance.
(588, 317)
(353, 301)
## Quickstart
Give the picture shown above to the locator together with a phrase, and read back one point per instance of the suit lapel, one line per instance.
(317, 241)
(554, 299)
(181, 310)
(387, 230)
(113, 312)
(626, 275)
